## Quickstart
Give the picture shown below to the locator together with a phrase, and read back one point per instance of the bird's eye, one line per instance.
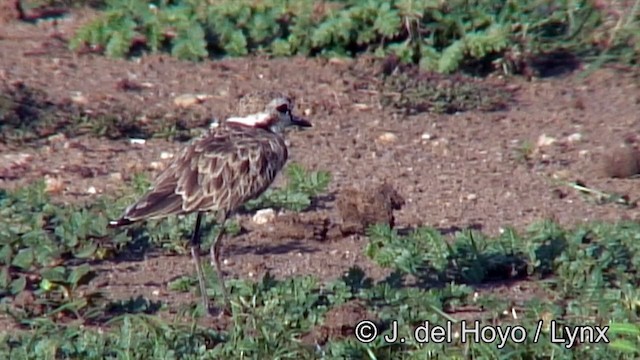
(284, 108)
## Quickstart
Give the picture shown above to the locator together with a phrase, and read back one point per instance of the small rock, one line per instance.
(57, 138)
(561, 175)
(80, 99)
(264, 216)
(116, 176)
(340, 61)
(138, 141)
(187, 100)
(228, 262)
(440, 142)
(155, 292)
(472, 197)
(361, 107)
(53, 185)
(545, 140)
(574, 138)
(426, 136)
(166, 155)
(307, 112)
(156, 165)
(92, 190)
(388, 137)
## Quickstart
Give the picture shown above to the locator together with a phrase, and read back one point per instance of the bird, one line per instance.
(216, 174)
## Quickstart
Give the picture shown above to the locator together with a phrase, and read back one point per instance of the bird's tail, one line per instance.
(120, 222)
(155, 204)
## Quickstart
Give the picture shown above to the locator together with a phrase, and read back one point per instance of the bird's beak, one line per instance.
(300, 122)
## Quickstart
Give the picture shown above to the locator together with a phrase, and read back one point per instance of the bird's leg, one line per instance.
(215, 259)
(195, 254)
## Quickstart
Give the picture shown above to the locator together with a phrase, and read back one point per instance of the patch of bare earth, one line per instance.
(451, 171)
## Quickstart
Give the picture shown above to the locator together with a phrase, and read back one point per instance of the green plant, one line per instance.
(440, 36)
(302, 186)
(42, 247)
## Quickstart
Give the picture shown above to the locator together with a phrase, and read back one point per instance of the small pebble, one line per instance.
(156, 165)
(53, 185)
(187, 100)
(574, 138)
(388, 137)
(166, 155)
(545, 140)
(138, 141)
(78, 98)
(264, 216)
(57, 138)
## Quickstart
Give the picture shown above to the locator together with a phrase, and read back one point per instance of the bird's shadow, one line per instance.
(294, 245)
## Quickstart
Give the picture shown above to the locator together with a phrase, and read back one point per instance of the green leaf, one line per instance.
(624, 329)
(5, 279)
(78, 274)
(57, 274)
(5, 254)
(86, 251)
(24, 259)
(624, 346)
(18, 285)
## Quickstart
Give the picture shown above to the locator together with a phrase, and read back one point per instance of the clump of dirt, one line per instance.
(295, 226)
(339, 323)
(622, 161)
(408, 88)
(360, 209)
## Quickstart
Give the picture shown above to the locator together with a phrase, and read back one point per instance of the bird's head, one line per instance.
(276, 116)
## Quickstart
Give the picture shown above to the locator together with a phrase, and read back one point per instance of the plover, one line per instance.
(217, 173)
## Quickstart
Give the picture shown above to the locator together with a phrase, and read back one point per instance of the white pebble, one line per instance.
(138, 141)
(574, 137)
(426, 136)
(92, 190)
(545, 140)
(264, 216)
(388, 137)
(166, 155)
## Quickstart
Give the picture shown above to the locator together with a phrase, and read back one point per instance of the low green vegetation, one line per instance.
(442, 36)
(585, 276)
(46, 248)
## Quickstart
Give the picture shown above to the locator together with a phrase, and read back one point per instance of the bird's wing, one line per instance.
(219, 171)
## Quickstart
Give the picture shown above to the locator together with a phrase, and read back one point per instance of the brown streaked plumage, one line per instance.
(218, 173)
